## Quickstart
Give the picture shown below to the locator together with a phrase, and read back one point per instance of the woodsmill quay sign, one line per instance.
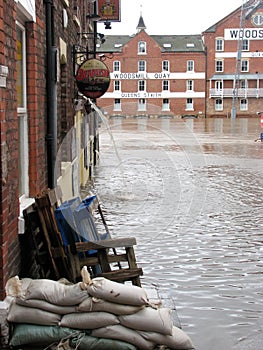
(93, 78)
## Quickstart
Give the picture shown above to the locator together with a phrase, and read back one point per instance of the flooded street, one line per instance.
(190, 191)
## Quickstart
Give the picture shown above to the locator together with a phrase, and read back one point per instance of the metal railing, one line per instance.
(241, 93)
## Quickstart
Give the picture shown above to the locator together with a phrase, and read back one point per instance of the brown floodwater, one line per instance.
(190, 191)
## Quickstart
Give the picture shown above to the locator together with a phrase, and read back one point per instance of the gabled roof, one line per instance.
(167, 43)
(250, 7)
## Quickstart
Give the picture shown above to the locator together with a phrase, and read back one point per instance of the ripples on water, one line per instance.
(191, 194)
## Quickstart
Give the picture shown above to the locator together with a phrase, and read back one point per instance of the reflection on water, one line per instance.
(190, 191)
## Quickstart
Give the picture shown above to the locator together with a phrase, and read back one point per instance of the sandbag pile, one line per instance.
(92, 314)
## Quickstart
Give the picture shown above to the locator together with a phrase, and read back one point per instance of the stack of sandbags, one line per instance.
(94, 314)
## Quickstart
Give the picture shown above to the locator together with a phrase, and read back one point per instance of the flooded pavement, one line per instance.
(190, 191)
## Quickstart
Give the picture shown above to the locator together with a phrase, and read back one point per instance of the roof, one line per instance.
(141, 25)
(167, 43)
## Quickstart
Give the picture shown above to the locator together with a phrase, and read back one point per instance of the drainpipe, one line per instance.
(51, 92)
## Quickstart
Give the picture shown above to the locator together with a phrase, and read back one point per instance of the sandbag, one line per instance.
(29, 334)
(149, 319)
(15, 287)
(119, 293)
(56, 292)
(23, 314)
(94, 304)
(88, 320)
(179, 340)
(125, 334)
(92, 343)
(44, 305)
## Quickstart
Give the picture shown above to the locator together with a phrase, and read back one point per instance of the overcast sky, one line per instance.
(170, 16)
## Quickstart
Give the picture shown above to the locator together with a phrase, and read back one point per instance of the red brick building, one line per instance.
(210, 75)
(154, 75)
(38, 108)
(234, 73)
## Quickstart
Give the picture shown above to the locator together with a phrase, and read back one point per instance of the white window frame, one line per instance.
(219, 85)
(243, 104)
(219, 44)
(166, 104)
(219, 106)
(23, 122)
(141, 85)
(189, 104)
(189, 85)
(142, 48)
(245, 45)
(117, 85)
(116, 66)
(141, 104)
(190, 66)
(244, 66)
(166, 85)
(166, 66)
(117, 104)
(219, 64)
(141, 66)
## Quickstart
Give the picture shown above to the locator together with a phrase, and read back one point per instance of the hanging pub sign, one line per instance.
(93, 78)
(109, 10)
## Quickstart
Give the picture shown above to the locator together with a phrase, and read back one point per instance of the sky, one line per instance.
(167, 17)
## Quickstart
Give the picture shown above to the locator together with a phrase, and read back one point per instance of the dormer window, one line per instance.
(141, 47)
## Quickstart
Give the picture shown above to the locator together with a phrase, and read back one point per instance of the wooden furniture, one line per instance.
(112, 258)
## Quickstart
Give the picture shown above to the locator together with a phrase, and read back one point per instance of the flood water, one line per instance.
(190, 191)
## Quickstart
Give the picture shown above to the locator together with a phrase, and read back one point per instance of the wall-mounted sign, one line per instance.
(93, 78)
(247, 33)
(109, 10)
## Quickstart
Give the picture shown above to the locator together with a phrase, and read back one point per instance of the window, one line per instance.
(141, 104)
(189, 85)
(141, 47)
(116, 66)
(245, 45)
(219, 66)
(117, 104)
(244, 66)
(219, 44)
(243, 104)
(142, 66)
(219, 85)
(165, 85)
(243, 84)
(190, 66)
(117, 85)
(219, 104)
(166, 104)
(258, 20)
(141, 85)
(189, 104)
(22, 110)
(166, 66)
